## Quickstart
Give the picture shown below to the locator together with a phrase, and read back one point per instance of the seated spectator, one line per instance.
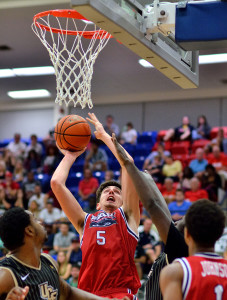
(49, 242)
(219, 140)
(202, 131)
(195, 193)
(140, 260)
(180, 133)
(16, 147)
(211, 181)
(50, 214)
(218, 159)
(29, 187)
(2, 171)
(155, 169)
(110, 126)
(168, 190)
(74, 254)
(64, 266)
(172, 168)
(33, 161)
(2, 200)
(33, 207)
(62, 239)
(13, 194)
(18, 172)
(185, 178)
(88, 185)
(73, 280)
(10, 160)
(96, 159)
(51, 160)
(179, 207)
(38, 196)
(91, 207)
(160, 151)
(199, 163)
(129, 135)
(34, 145)
(109, 175)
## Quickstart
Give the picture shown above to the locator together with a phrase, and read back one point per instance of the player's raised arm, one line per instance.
(129, 194)
(66, 199)
(148, 193)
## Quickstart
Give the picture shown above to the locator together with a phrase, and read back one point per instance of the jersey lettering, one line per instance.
(101, 240)
(214, 268)
(218, 291)
(47, 292)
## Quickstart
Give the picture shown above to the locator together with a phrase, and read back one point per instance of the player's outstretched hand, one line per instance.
(17, 293)
(69, 153)
(100, 131)
(123, 156)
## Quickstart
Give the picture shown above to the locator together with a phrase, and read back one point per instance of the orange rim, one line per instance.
(73, 14)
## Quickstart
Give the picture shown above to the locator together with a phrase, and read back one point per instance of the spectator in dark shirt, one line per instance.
(180, 133)
(74, 254)
(202, 131)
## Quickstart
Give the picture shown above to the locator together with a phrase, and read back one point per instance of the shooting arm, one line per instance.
(66, 199)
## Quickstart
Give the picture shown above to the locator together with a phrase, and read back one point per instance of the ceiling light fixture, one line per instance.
(144, 63)
(213, 58)
(26, 94)
(33, 71)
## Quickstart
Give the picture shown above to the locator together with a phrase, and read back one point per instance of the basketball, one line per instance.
(72, 133)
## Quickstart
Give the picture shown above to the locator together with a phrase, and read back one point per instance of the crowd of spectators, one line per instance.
(26, 169)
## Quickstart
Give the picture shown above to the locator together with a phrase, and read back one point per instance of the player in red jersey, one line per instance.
(108, 237)
(203, 275)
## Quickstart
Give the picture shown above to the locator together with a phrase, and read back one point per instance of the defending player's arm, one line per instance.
(171, 282)
(69, 293)
(66, 199)
(148, 193)
(129, 194)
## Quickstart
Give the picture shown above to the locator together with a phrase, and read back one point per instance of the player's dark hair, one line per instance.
(103, 186)
(12, 227)
(205, 222)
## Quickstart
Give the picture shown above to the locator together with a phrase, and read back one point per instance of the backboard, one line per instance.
(127, 21)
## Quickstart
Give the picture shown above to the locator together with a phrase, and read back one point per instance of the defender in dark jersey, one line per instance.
(108, 237)
(157, 208)
(27, 272)
(202, 275)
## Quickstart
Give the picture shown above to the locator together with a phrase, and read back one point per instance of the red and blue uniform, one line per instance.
(205, 277)
(108, 247)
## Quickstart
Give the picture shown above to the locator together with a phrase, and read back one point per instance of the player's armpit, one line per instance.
(171, 278)
(6, 281)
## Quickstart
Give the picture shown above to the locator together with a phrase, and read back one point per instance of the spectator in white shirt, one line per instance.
(50, 214)
(34, 145)
(130, 135)
(38, 196)
(16, 147)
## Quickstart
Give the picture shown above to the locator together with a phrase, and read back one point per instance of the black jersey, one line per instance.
(43, 282)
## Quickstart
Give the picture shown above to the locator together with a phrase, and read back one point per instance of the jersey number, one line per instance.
(218, 291)
(101, 240)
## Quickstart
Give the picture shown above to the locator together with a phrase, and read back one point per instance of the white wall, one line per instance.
(154, 115)
(26, 122)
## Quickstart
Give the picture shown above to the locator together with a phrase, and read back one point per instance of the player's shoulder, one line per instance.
(50, 259)
(7, 280)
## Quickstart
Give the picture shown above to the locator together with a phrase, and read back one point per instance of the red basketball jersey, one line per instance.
(108, 247)
(205, 277)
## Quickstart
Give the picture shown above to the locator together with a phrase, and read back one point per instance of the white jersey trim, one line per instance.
(130, 231)
(82, 236)
(187, 276)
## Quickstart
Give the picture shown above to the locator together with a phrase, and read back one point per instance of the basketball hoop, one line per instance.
(73, 50)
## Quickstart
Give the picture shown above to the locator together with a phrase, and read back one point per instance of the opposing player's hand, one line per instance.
(100, 131)
(123, 156)
(17, 293)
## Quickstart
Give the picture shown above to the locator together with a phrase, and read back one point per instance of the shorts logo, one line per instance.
(47, 292)
(103, 220)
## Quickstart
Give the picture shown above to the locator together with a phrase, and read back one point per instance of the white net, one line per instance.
(73, 56)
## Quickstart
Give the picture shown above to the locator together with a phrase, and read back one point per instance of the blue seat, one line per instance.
(129, 148)
(139, 161)
(74, 179)
(143, 149)
(99, 175)
(114, 165)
